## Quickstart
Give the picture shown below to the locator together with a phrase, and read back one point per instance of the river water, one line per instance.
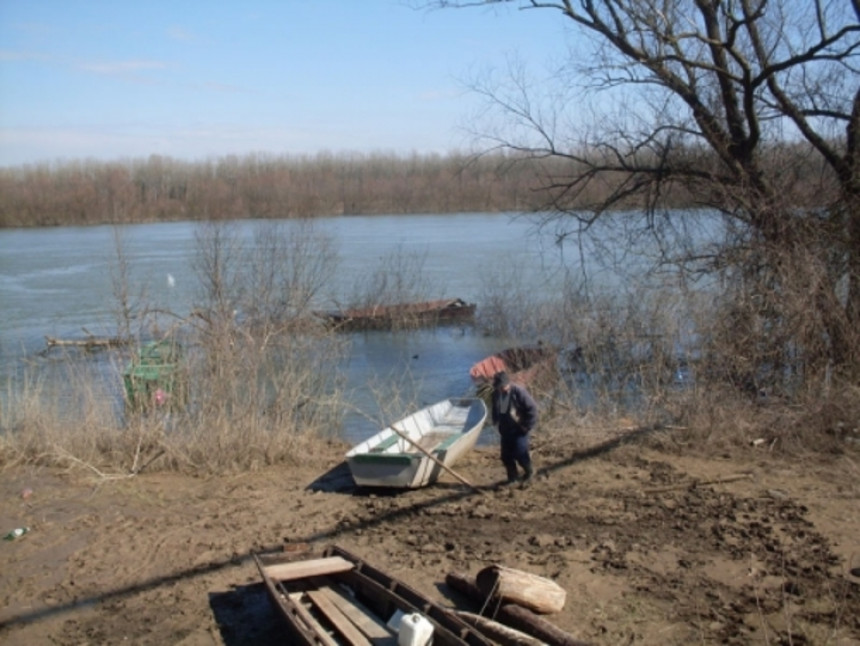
(59, 282)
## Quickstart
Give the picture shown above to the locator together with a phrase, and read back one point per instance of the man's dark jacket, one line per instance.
(521, 415)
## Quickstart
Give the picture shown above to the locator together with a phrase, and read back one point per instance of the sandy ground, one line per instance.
(651, 546)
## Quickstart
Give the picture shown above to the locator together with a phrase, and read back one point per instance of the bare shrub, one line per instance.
(506, 303)
(256, 399)
(394, 396)
(620, 352)
(253, 416)
(263, 376)
(398, 278)
(809, 424)
(72, 421)
(286, 270)
(24, 421)
(261, 388)
(761, 335)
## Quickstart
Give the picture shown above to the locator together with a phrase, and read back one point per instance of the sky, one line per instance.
(200, 79)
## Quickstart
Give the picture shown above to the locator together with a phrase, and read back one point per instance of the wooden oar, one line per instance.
(435, 459)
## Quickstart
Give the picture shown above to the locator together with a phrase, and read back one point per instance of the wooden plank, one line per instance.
(311, 567)
(304, 616)
(373, 627)
(338, 619)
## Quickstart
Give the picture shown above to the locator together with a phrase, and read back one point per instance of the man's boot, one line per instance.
(513, 475)
(530, 472)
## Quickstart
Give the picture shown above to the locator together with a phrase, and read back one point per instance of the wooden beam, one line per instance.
(307, 568)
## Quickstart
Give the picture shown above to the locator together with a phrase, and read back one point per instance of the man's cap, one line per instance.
(501, 379)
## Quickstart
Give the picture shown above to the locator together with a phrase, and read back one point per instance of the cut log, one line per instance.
(515, 616)
(466, 586)
(535, 625)
(499, 632)
(534, 592)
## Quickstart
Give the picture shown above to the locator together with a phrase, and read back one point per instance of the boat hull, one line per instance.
(525, 365)
(445, 431)
(337, 598)
(402, 315)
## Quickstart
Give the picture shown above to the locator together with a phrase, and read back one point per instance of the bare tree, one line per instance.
(746, 108)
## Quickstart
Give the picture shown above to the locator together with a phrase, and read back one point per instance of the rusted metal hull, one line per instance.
(528, 366)
(401, 315)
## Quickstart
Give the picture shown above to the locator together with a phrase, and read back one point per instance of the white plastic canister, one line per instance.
(415, 630)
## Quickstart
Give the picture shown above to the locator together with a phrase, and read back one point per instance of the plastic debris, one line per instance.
(18, 532)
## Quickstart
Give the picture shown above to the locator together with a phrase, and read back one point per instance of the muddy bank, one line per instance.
(651, 547)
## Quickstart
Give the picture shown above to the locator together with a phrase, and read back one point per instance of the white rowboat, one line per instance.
(438, 435)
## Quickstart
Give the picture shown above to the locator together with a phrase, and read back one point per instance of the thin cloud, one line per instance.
(122, 67)
(225, 88)
(439, 95)
(8, 56)
(39, 29)
(179, 33)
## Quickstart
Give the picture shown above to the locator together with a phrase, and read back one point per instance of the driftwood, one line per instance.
(88, 343)
(497, 631)
(697, 483)
(537, 593)
(515, 616)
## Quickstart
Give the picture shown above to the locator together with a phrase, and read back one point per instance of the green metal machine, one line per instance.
(155, 378)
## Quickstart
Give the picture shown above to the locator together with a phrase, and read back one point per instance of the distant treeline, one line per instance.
(268, 186)
(263, 186)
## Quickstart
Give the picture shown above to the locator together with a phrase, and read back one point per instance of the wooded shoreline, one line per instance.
(162, 189)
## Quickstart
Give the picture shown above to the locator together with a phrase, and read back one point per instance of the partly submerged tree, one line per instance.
(745, 108)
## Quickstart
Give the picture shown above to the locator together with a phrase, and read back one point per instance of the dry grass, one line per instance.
(255, 413)
(636, 361)
(265, 386)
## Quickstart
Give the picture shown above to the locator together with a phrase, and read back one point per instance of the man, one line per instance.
(515, 415)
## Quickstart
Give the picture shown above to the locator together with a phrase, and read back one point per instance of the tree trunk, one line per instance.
(515, 616)
(497, 631)
(534, 592)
